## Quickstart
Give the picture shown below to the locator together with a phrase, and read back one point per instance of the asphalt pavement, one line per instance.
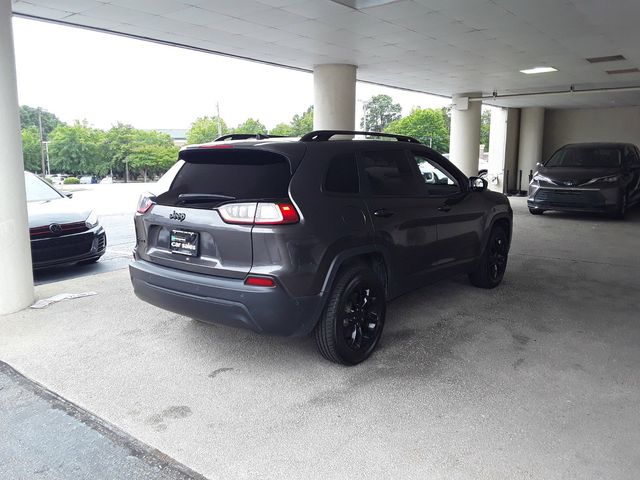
(47, 437)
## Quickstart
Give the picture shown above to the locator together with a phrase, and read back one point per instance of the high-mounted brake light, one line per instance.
(145, 202)
(263, 213)
(214, 146)
(259, 281)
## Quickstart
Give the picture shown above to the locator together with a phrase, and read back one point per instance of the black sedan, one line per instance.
(62, 231)
(588, 177)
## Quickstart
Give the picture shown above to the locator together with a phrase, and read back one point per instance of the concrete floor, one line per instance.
(539, 378)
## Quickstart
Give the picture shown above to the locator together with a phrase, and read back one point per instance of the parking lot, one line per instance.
(537, 378)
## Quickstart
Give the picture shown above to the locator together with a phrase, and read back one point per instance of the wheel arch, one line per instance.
(503, 220)
(371, 256)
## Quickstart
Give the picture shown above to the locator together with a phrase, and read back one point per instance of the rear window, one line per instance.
(586, 157)
(211, 177)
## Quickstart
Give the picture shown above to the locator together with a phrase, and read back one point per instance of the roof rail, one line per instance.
(246, 136)
(324, 135)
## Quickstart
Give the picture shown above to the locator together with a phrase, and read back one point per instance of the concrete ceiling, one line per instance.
(434, 46)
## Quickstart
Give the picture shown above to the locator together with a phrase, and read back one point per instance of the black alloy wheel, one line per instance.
(352, 323)
(493, 263)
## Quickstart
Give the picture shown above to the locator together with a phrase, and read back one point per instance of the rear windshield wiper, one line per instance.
(202, 197)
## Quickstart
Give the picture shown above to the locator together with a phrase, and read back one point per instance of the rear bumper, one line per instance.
(225, 301)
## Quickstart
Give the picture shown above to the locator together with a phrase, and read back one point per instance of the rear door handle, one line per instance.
(383, 212)
(444, 208)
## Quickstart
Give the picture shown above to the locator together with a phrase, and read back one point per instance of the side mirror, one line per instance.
(68, 194)
(477, 184)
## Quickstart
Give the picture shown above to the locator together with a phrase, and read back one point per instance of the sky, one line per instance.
(79, 74)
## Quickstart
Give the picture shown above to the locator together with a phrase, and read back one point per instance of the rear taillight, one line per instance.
(276, 214)
(145, 202)
(263, 213)
(238, 212)
(259, 281)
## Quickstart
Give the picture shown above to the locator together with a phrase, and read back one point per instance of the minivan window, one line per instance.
(342, 174)
(586, 157)
(209, 178)
(390, 173)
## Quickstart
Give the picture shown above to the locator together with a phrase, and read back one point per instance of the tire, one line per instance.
(536, 211)
(621, 211)
(493, 262)
(352, 322)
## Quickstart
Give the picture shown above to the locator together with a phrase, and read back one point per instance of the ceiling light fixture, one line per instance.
(532, 71)
(623, 71)
(609, 58)
(360, 4)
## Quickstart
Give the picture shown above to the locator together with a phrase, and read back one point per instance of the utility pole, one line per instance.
(46, 149)
(219, 124)
(44, 169)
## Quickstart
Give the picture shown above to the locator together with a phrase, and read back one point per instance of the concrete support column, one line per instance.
(498, 148)
(16, 277)
(464, 148)
(503, 154)
(334, 97)
(531, 138)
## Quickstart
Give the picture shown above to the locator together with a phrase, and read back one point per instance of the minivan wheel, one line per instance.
(493, 262)
(352, 322)
(621, 211)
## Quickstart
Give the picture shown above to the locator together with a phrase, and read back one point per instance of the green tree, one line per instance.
(150, 152)
(31, 149)
(118, 144)
(149, 158)
(301, 124)
(77, 149)
(29, 118)
(251, 126)
(485, 126)
(379, 112)
(205, 129)
(283, 129)
(427, 125)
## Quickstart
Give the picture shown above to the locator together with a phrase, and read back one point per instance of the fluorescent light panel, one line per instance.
(532, 71)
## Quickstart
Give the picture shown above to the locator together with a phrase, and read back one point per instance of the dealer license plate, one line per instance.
(184, 242)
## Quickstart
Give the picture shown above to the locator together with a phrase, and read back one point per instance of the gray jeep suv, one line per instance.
(291, 236)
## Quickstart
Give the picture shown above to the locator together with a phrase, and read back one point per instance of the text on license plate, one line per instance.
(184, 242)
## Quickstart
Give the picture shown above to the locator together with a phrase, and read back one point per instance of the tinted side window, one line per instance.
(390, 173)
(342, 175)
(437, 180)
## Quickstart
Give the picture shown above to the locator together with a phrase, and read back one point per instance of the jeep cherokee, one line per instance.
(292, 236)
